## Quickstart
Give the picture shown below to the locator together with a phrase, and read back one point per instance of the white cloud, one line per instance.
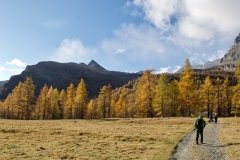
(16, 62)
(132, 47)
(159, 12)
(120, 50)
(2, 69)
(139, 41)
(168, 69)
(6, 72)
(194, 26)
(173, 30)
(10, 68)
(193, 17)
(72, 50)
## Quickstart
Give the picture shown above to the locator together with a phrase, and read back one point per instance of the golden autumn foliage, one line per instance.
(161, 95)
(151, 95)
(144, 94)
(186, 89)
(104, 102)
(208, 95)
(81, 100)
(19, 104)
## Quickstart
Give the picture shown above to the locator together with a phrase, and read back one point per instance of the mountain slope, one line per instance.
(2, 82)
(60, 75)
(208, 64)
(230, 59)
(227, 63)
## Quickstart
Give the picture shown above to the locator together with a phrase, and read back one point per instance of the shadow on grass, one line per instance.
(214, 145)
(231, 144)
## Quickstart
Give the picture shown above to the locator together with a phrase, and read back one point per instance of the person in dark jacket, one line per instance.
(215, 117)
(199, 125)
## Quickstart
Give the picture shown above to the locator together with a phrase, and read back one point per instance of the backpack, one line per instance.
(199, 124)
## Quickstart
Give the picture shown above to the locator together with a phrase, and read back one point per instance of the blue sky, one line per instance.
(124, 35)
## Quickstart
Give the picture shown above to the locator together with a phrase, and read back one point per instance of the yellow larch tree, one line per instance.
(104, 102)
(121, 105)
(81, 100)
(145, 94)
(69, 109)
(186, 88)
(208, 95)
(236, 90)
(173, 97)
(160, 95)
(62, 102)
(41, 104)
(55, 105)
(91, 110)
(28, 96)
(227, 94)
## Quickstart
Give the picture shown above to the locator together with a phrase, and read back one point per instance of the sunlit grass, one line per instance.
(91, 139)
(230, 136)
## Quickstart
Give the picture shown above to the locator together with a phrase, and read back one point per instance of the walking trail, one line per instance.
(211, 149)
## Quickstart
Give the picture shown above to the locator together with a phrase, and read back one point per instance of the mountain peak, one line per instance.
(93, 64)
(237, 39)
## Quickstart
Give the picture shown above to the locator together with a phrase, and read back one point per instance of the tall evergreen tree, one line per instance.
(145, 94)
(173, 94)
(104, 102)
(91, 110)
(62, 102)
(227, 91)
(81, 100)
(218, 91)
(55, 105)
(186, 88)
(49, 105)
(121, 105)
(41, 104)
(236, 94)
(161, 95)
(69, 110)
(17, 101)
(236, 99)
(207, 94)
(28, 93)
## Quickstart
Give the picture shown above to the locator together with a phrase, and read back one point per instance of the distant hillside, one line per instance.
(208, 64)
(60, 75)
(226, 63)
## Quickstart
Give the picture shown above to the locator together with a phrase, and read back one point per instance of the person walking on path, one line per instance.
(199, 125)
(210, 118)
(215, 117)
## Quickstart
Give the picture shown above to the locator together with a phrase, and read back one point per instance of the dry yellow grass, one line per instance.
(91, 139)
(230, 136)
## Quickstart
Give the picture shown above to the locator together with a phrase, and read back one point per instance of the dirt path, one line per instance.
(211, 149)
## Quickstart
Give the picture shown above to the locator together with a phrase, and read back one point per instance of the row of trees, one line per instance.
(149, 96)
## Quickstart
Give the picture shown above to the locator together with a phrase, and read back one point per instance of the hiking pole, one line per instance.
(191, 132)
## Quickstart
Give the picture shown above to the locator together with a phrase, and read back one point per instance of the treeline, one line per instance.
(149, 96)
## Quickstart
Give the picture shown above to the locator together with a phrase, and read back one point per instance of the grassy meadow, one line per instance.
(230, 136)
(91, 139)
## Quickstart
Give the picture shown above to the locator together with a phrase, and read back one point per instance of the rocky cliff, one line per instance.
(228, 62)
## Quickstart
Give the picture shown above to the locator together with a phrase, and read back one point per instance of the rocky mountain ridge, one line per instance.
(60, 75)
(228, 62)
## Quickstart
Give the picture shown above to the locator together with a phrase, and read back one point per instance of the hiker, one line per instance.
(210, 118)
(199, 125)
(215, 117)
